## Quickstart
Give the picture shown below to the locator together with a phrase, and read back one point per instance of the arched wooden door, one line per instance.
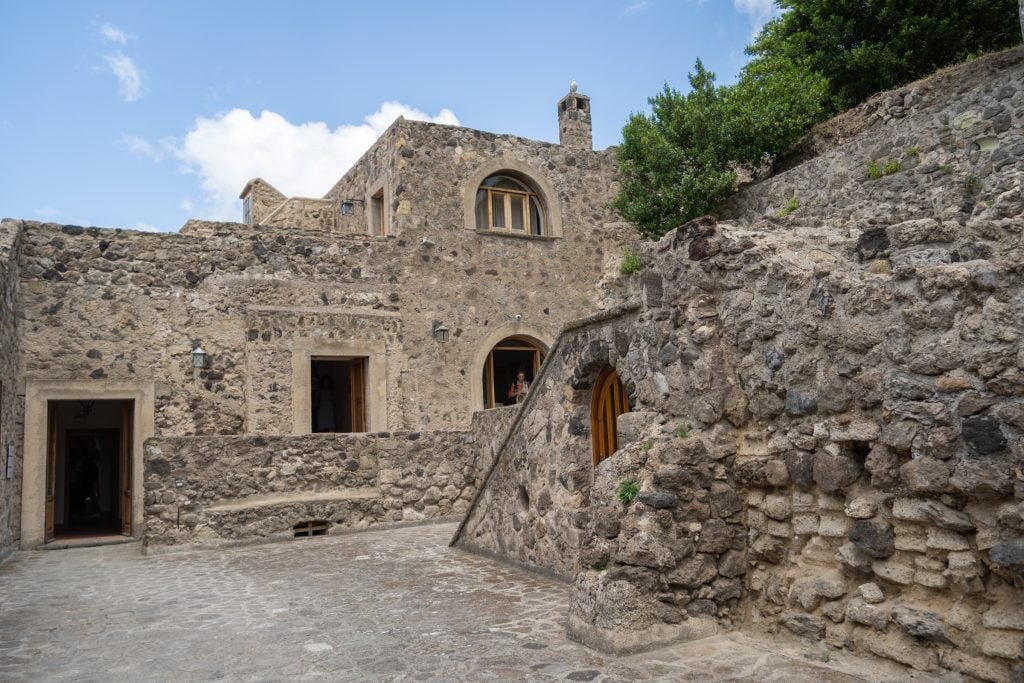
(608, 403)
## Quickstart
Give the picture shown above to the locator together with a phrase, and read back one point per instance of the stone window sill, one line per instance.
(517, 236)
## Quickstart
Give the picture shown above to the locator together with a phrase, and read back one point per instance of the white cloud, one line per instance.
(637, 6)
(759, 11)
(304, 159)
(113, 34)
(141, 147)
(146, 227)
(129, 76)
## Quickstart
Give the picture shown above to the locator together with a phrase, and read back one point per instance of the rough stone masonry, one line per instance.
(827, 405)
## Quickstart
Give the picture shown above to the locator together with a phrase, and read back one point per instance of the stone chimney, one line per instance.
(574, 129)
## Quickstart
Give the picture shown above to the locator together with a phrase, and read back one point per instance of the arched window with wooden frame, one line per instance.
(507, 204)
(506, 360)
(609, 401)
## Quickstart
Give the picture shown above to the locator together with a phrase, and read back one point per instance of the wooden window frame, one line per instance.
(538, 358)
(526, 197)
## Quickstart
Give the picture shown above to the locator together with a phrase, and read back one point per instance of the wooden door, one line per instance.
(125, 469)
(357, 387)
(51, 470)
(608, 403)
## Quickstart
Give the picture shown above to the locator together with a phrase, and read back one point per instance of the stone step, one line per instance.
(274, 499)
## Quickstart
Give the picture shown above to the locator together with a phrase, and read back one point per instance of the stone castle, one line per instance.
(806, 415)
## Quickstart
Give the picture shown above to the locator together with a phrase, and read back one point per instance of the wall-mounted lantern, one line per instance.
(440, 332)
(348, 206)
(200, 359)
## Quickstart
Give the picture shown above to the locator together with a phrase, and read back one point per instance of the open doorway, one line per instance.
(337, 394)
(510, 357)
(88, 472)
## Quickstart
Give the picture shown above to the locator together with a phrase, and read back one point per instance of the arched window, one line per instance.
(608, 403)
(509, 357)
(506, 204)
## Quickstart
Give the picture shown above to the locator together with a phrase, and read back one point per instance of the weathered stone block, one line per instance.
(943, 539)
(768, 548)
(808, 591)
(1009, 556)
(833, 472)
(873, 536)
(984, 668)
(983, 434)
(1006, 611)
(869, 615)
(732, 563)
(894, 572)
(925, 475)
(861, 508)
(804, 524)
(871, 593)
(895, 645)
(798, 403)
(715, 537)
(803, 625)
(982, 477)
(694, 572)
(1008, 644)
(658, 499)
(833, 525)
(800, 467)
(921, 624)
(854, 561)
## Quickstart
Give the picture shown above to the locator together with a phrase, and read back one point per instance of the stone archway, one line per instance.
(519, 333)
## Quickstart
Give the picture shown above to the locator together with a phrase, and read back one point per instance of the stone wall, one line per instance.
(10, 415)
(533, 507)
(305, 214)
(947, 147)
(827, 431)
(103, 305)
(214, 490)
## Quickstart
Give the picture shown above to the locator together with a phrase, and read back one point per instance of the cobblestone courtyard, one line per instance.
(381, 605)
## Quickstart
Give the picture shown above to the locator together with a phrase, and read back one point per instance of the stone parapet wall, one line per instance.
(948, 147)
(214, 490)
(206, 491)
(10, 409)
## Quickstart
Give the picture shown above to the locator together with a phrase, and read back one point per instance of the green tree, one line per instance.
(866, 46)
(680, 161)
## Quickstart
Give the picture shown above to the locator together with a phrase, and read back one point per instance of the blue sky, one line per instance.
(141, 114)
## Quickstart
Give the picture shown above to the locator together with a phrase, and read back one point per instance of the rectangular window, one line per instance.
(247, 209)
(377, 213)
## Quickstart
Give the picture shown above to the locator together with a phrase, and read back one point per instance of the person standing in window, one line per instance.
(520, 386)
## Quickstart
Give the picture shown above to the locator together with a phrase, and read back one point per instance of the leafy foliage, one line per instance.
(680, 162)
(863, 47)
(627, 491)
(631, 262)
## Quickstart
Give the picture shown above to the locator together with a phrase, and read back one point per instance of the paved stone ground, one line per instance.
(381, 605)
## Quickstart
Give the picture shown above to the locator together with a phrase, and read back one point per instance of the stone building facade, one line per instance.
(824, 433)
(375, 310)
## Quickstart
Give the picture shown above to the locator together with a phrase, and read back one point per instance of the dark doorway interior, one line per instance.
(337, 394)
(90, 468)
(506, 360)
